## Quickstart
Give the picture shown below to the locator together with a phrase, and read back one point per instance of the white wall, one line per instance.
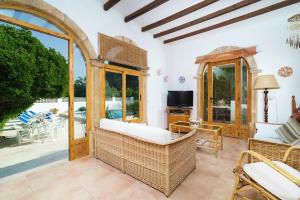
(92, 19)
(269, 33)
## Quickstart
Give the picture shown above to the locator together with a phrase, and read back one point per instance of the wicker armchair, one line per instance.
(273, 151)
(273, 179)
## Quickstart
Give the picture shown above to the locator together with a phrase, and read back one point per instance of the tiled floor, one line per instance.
(89, 178)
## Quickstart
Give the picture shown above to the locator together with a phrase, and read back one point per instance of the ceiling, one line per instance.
(126, 7)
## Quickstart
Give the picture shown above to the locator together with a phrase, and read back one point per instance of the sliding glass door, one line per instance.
(123, 94)
(113, 95)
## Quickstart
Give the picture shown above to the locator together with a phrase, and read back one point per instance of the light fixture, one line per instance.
(266, 82)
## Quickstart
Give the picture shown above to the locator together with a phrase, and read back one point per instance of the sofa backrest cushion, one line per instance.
(154, 134)
(265, 131)
(113, 125)
(157, 135)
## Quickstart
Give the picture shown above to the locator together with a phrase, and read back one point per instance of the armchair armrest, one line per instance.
(270, 164)
(290, 151)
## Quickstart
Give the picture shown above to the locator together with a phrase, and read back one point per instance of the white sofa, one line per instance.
(152, 155)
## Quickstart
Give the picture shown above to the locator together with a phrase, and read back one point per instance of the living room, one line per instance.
(156, 100)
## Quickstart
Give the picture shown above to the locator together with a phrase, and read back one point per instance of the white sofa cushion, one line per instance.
(154, 134)
(273, 181)
(267, 132)
(157, 135)
(113, 125)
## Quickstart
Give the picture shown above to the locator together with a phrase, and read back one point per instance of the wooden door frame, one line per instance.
(238, 93)
(77, 147)
(235, 125)
(123, 71)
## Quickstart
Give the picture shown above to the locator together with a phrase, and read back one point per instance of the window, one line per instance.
(122, 89)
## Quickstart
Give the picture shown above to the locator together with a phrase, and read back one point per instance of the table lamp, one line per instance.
(266, 82)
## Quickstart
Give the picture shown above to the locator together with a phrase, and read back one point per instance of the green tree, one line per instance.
(80, 87)
(28, 71)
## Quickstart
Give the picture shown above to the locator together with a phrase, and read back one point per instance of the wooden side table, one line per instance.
(215, 142)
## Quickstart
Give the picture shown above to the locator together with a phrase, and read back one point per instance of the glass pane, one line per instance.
(244, 92)
(224, 93)
(113, 96)
(132, 97)
(29, 18)
(79, 94)
(205, 85)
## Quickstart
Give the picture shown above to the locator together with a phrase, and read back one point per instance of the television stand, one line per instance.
(176, 114)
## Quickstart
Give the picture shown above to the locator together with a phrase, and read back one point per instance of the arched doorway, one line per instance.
(78, 44)
(226, 97)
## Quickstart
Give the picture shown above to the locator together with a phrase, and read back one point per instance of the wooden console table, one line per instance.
(215, 143)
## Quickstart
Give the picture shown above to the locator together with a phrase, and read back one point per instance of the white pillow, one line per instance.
(267, 131)
(113, 125)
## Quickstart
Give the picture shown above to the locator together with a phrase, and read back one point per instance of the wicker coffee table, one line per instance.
(214, 142)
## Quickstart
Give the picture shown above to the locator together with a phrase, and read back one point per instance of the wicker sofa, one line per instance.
(149, 154)
(267, 143)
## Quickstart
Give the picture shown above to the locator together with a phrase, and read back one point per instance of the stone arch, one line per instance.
(253, 70)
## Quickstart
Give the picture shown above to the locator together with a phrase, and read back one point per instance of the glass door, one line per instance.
(224, 96)
(113, 95)
(246, 94)
(122, 91)
(78, 102)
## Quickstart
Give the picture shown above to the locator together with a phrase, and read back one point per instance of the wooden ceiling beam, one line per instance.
(218, 13)
(179, 14)
(109, 4)
(267, 9)
(144, 9)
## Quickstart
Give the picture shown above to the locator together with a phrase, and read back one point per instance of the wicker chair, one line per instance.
(274, 180)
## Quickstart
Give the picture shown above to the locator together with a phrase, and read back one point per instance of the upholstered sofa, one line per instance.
(152, 155)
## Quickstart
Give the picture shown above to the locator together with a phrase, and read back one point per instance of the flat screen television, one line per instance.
(180, 98)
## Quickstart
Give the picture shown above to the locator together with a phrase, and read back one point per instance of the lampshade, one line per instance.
(266, 82)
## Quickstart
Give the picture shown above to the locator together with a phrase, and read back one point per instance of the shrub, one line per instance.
(81, 109)
(54, 110)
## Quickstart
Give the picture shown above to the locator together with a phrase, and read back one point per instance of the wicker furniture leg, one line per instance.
(221, 135)
(216, 142)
